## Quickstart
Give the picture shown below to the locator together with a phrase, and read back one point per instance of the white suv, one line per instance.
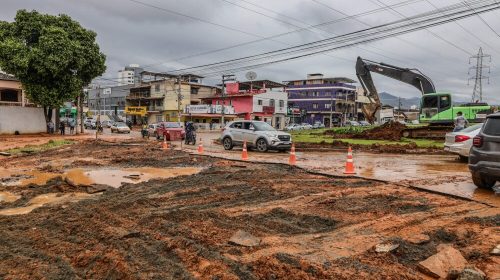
(257, 134)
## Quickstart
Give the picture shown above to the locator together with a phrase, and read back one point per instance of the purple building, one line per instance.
(330, 101)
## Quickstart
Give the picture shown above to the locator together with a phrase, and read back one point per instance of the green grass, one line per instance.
(40, 148)
(307, 137)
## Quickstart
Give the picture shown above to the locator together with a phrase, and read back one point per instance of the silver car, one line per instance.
(461, 142)
(257, 134)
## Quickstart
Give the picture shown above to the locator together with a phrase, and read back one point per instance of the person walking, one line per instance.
(460, 122)
(50, 125)
(71, 126)
(62, 128)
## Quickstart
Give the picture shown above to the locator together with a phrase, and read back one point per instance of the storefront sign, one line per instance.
(136, 110)
(198, 109)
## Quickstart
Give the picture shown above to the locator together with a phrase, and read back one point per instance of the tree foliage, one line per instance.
(54, 57)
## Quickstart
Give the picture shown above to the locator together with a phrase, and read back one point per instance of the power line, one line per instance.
(286, 33)
(408, 24)
(482, 19)
(431, 32)
(454, 15)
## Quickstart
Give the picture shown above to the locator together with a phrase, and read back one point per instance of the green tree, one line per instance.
(54, 57)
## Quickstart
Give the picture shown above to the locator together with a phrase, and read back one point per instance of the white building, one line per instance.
(271, 107)
(129, 75)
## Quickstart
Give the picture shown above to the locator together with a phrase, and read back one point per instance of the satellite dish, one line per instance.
(251, 75)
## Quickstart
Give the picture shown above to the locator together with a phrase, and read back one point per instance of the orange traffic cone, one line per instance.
(164, 145)
(200, 147)
(292, 160)
(244, 154)
(349, 165)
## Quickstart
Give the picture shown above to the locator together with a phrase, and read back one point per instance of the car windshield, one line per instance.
(172, 125)
(262, 126)
(354, 122)
(120, 125)
(472, 128)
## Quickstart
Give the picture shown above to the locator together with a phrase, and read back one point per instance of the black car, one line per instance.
(484, 158)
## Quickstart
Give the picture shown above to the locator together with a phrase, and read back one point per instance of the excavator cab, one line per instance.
(433, 105)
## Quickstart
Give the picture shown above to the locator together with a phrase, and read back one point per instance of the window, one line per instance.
(271, 102)
(157, 87)
(237, 125)
(282, 103)
(492, 127)
(315, 105)
(430, 102)
(328, 106)
(316, 93)
(259, 102)
(194, 90)
(248, 125)
(444, 102)
(159, 118)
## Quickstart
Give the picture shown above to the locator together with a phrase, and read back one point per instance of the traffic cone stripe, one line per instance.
(200, 147)
(244, 153)
(349, 165)
(293, 159)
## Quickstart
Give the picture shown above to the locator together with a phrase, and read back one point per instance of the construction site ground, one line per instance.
(122, 208)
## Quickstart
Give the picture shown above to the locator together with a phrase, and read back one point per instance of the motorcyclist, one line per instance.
(144, 130)
(190, 132)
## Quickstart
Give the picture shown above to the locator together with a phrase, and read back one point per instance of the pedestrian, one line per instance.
(50, 126)
(460, 122)
(71, 126)
(211, 124)
(62, 127)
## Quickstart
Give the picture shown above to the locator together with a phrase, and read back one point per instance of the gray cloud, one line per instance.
(132, 33)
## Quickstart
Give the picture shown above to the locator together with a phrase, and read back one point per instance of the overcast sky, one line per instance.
(130, 32)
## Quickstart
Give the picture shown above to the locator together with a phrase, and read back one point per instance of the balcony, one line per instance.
(268, 109)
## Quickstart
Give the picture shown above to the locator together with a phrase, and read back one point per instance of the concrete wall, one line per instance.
(22, 119)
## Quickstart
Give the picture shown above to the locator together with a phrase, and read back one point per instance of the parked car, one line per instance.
(257, 134)
(306, 126)
(152, 130)
(120, 127)
(484, 157)
(318, 125)
(107, 124)
(294, 127)
(88, 122)
(461, 142)
(352, 123)
(364, 123)
(170, 131)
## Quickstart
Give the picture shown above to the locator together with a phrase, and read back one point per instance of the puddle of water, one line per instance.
(8, 197)
(468, 190)
(46, 199)
(115, 177)
(111, 177)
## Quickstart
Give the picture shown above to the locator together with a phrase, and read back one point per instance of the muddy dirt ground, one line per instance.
(311, 226)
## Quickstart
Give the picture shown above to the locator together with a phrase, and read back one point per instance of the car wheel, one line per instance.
(228, 143)
(482, 181)
(261, 145)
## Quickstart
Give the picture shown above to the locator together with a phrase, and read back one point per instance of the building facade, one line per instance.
(17, 113)
(109, 101)
(262, 100)
(130, 75)
(330, 101)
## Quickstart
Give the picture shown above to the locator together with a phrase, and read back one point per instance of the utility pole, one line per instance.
(179, 100)
(477, 93)
(225, 78)
(331, 109)
(98, 122)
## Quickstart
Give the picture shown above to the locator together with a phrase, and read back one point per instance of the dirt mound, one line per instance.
(388, 131)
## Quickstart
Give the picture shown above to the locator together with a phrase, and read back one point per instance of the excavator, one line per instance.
(436, 108)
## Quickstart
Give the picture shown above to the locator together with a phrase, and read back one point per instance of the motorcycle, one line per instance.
(190, 137)
(145, 133)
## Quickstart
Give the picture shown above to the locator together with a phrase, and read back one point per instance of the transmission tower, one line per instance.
(477, 94)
